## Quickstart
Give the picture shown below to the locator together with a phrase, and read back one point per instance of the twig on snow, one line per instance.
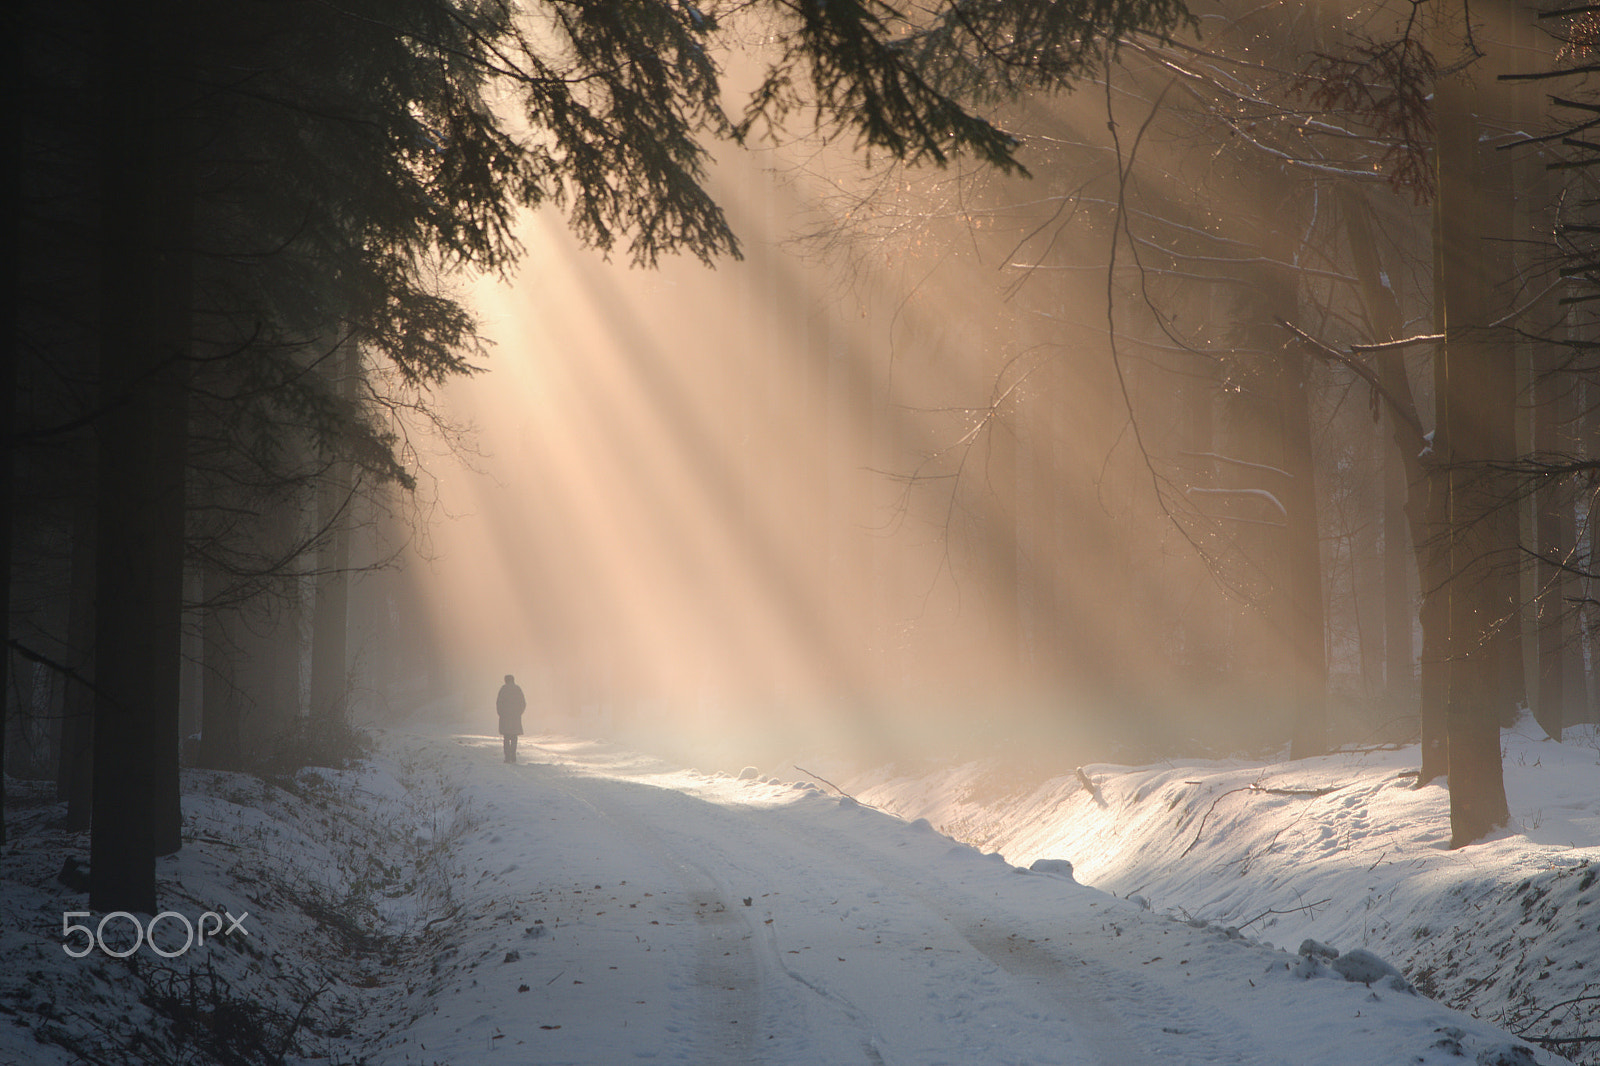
(1259, 789)
(1304, 907)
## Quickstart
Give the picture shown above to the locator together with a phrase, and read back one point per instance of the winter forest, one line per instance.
(792, 382)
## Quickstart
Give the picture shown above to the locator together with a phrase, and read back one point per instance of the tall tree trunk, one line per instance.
(1550, 509)
(1003, 514)
(1406, 514)
(10, 314)
(1303, 560)
(1474, 384)
(76, 776)
(1493, 223)
(1365, 558)
(1296, 600)
(139, 486)
(220, 699)
(1428, 510)
(1589, 594)
(1399, 605)
(330, 610)
(1553, 410)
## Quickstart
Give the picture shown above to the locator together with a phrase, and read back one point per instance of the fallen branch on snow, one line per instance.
(1303, 908)
(836, 788)
(1260, 790)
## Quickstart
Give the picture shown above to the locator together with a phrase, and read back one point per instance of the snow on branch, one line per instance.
(1262, 494)
(1403, 342)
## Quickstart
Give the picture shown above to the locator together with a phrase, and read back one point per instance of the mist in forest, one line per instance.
(1099, 463)
(829, 498)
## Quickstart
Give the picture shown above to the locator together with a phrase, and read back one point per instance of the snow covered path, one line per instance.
(609, 909)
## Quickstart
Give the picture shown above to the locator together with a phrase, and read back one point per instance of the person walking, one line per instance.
(509, 704)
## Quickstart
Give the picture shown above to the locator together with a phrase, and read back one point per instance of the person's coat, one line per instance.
(510, 704)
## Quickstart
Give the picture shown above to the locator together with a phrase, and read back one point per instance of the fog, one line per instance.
(874, 489)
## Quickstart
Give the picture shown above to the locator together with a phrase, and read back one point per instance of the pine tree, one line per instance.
(280, 182)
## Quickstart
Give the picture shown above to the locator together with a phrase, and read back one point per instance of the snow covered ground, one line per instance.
(1341, 849)
(592, 905)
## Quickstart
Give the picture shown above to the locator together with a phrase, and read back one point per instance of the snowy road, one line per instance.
(609, 909)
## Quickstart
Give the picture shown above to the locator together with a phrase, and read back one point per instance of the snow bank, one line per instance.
(1341, 849)
(325, 874)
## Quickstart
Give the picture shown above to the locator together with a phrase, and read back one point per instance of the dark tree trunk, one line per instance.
(1475, 381)
(330, 611)
(219, 695)
(1493, 224)
(1428, 512)
(1550, 508)
(139, 486)
(1304, 562)
(331, 608)
(1590, 591)
(11, 205)
(1399, 605)
(1554, 411)
(1365, 558)
(76, 774)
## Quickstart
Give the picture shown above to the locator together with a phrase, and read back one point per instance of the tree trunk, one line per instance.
(1399, 605)
(10, 314)
(1549, 706)
(1589, 592)
(1493, 225)
(1405, 509)
(139, 486)
(1303, 561)
(1366, 559)
(76, 775)
(1474, 383)
(220, 708)
(1431, 509)
(1428, 511)
(1295, 602)
(330, 610)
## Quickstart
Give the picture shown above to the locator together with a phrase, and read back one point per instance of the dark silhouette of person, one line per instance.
(510, 704)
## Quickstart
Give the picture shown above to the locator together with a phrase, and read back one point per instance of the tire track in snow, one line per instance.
(1106, 1009)
(1103, 1030)
(724, 971)
(824, 1014)
(1081, 988)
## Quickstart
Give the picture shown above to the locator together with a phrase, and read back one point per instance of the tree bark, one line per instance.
(1399, 553)
(145, 302)
(1549, 408)
(330, 610)
(1406, 485)
(220, 709)
(1474, 381)
(10, 314)
(1303, 561)
(76, 775)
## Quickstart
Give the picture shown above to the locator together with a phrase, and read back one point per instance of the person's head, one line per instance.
(510, 680)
